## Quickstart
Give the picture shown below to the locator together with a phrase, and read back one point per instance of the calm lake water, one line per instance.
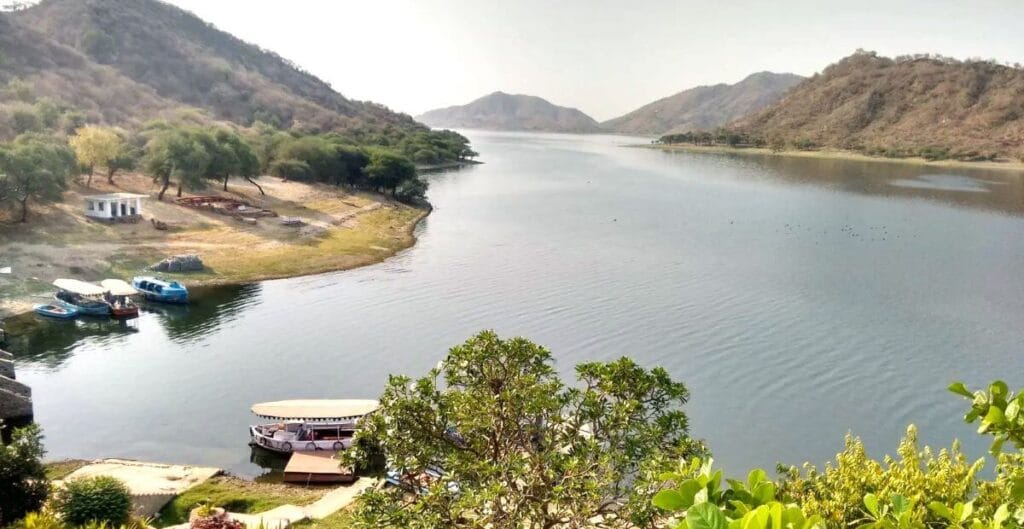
(799, 300)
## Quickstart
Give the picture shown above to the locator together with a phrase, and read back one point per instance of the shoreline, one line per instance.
(832, 154)
(261, 268)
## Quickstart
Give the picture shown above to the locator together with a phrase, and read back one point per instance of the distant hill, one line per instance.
(705, 107)
(123, 60)
(908, 106)
(501, 111)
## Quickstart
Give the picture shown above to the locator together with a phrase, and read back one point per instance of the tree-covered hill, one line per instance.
(135, 59)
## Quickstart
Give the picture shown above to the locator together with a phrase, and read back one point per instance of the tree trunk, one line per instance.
(110, 176)
(24, 210)
(253, 182)
(167, 183)
(179, 189)
(226, 182)
(88, 182)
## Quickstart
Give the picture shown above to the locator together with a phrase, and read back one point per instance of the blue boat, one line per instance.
(156, 289)
(85, 298)
(56, 311)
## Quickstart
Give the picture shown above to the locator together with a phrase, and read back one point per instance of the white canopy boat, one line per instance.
(86, 298)
(309, 425)
(119, 296)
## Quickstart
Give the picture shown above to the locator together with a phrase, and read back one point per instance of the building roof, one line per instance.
(115, 196)
(315, 410)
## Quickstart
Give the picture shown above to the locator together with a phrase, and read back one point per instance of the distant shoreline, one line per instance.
(833, 154)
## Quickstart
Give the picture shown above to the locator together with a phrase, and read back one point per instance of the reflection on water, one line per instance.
(37, 341)
(776, 288)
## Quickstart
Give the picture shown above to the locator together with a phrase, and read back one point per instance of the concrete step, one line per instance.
(14, 405)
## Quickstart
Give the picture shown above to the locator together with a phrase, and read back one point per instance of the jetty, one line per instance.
(15, 397)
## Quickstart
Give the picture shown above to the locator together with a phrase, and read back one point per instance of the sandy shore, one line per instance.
(833, 154)
(341, 231)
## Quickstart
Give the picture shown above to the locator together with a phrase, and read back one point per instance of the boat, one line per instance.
(53, 310)
(86, 298)
(308, 425)
(119, 297)
(157, 289)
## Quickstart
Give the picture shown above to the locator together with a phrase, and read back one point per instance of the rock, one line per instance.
(179, 263)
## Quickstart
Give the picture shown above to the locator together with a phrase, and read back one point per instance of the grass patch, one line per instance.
(339, 520)
(235, 495)
(62, 469)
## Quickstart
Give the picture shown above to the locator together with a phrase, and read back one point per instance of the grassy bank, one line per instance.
(341, 230)
(832, 154)
(235, 495)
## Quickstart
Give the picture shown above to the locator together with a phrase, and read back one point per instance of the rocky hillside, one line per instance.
(501, 111)
(911, 105)
(705, 107)
(136, 59)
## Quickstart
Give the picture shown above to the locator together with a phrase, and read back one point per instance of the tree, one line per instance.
(230, 156)
(387, 170)
(126, 159)
(518, 448)
(99, 499)
(23, 482)
(175, 153)
(34, 167)
(95, 146)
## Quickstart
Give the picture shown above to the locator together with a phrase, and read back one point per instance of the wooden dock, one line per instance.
(317, 467)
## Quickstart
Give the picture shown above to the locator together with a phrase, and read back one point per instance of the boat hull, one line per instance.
(125, 312)
(56, 311)
(87, 310)
(154, 289)
(259, 436)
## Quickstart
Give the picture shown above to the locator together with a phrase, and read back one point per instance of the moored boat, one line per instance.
(308, 425)
(157, 289)
(119, 297)
(53, 310)
(86, 298)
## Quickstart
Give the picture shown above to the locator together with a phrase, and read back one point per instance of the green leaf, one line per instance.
(997, 445)
(1012, 410)
(1002, 513)
(994, 416)
(960, 389)
(942, 510)
(1017, 489)
(689, 490)
(998, 389)
(871, 502)
(968, 510)
(756, 476)
(764, 492)
(669, 500)
(776, 511)
(706, 516)
(900, 504)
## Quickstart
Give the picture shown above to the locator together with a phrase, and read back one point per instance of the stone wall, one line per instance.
(15, 397)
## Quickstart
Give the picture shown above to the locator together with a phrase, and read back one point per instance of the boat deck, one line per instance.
(316, 467)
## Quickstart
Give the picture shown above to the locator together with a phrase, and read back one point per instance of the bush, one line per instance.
(100, 499)
(23, 483)
(291, 170)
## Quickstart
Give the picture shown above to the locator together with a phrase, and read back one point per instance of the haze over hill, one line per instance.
(131, 60)
(501, 111)
(705, 107)
(898, 107)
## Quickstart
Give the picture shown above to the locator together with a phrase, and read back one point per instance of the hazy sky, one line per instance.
(603, 57)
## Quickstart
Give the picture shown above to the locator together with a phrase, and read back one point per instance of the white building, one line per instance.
(115, 206)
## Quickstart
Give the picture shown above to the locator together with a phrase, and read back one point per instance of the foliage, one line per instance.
(514, 445)
(23, 482)
(99, 499)
(49, 520)
(178, 154)
(838, 492)
(698, 500)
(387, 170)
(34, 167)
(95, 146)
(998, 411)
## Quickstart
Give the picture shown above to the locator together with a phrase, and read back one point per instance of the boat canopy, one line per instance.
(315, 410)
(118, 288)
(79, 287)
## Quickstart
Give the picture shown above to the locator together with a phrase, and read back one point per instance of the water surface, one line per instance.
(799, 299)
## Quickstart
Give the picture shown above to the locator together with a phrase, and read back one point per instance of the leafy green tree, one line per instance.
(297, 170)
(23, 482)
(176, 153)
(229, 154)
(34, 167)
(515, 445)
(126, 159)
(95, 146)
(387, 170)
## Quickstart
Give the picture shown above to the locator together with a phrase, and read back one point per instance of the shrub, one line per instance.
(23, 483)
(100, 499)
(291, 170)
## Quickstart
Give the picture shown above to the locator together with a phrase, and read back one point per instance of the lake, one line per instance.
(799, 299)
